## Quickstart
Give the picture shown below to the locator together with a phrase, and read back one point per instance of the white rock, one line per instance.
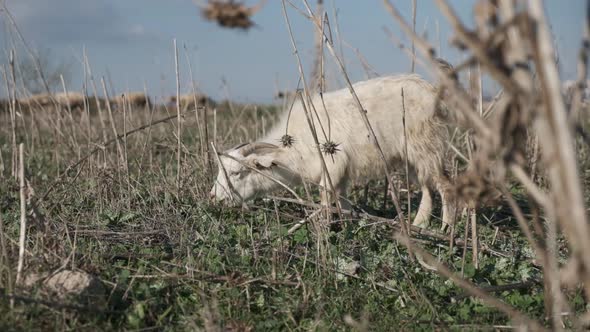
(68, 283)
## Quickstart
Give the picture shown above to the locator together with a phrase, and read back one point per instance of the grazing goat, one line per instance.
(36, 100)
(356, 156)
(74, 100)
(133, 99)
(191, 101)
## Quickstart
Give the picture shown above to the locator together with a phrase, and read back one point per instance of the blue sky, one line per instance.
(132, 41)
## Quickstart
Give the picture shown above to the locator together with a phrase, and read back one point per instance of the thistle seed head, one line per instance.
(330, 148)
(287, 141)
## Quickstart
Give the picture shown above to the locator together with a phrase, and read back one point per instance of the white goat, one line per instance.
(426, 132)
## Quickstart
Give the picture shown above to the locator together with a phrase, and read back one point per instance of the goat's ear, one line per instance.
(263, 161)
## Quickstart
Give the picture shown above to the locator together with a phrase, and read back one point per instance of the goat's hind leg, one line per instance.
(339, 178)
(422, 218)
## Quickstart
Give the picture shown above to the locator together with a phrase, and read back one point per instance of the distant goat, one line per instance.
(426, 132)
(191, 101)
(37, 100)
(133, 99)
(74, 100)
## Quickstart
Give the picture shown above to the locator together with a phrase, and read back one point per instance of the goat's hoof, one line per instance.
(445, 228)
(421, 224)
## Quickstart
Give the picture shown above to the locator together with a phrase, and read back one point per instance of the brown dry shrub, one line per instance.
(230, 14)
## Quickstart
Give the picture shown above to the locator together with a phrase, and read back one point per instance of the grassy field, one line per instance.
(169, 259)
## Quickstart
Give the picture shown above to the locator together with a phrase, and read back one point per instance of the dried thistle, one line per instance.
(477, 187)
(330, 148)
(230, 14)
(485, 13)
(287, 141)
(447, 68)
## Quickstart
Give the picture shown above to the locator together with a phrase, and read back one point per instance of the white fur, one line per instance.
(357, 156)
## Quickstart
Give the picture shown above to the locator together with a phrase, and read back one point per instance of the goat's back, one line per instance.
(341, 122)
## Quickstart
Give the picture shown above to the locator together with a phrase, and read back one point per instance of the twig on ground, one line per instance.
(502, 288)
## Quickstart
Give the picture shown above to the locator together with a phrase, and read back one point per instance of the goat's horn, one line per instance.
(250, 148)
(239, 146)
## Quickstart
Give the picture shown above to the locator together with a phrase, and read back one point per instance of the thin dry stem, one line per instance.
(112, 121)
(23, 213)
(303, 102)
(581, 85)
(96, 100)
(178, 121)
(408, 222)
(13, 125)
(476, 46)
(73, 135)
(474, 238)
(206, 127)
(563, 170)
(224, 172)
(457, 94)
(414, 11)
(36, 62)
(363, 114)
(316, 72)
(194, 92)
(99, 147)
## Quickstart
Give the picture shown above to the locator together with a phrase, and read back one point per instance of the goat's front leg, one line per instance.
(339, 178)
(449, 205)
(328, 197)
(341, 192)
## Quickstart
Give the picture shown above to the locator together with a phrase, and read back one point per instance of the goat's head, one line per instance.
(245, 173)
